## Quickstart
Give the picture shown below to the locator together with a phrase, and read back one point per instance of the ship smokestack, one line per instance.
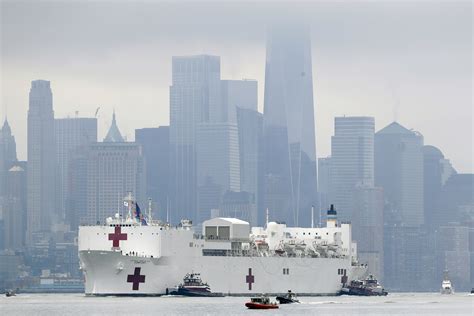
(331, 217)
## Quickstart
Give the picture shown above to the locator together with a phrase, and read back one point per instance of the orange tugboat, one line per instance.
(262, 302)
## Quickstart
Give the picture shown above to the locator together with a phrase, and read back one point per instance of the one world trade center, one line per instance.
(290, 181)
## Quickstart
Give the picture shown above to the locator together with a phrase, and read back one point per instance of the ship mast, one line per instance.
(149, 209)
(129, 202)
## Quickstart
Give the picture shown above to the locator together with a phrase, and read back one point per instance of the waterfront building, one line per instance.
(367, 227)
(453, 255)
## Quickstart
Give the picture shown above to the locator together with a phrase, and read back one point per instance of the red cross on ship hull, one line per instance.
(250, 279)
(136, 278)
(117, 236)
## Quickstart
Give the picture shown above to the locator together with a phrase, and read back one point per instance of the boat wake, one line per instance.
(322, 303)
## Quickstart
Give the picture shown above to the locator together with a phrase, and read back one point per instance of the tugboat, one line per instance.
(193, 286)
(446, 286)
(261, 302)
(288, 298)
(367, 287)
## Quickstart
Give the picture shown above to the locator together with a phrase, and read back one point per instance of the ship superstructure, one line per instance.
(140, 256)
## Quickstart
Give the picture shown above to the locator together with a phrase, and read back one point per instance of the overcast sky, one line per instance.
(406, 61)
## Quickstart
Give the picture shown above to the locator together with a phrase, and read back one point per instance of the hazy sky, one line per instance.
(409, 61)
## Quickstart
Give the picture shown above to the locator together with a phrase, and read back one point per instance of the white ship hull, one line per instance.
(131, 258)
(107, 273)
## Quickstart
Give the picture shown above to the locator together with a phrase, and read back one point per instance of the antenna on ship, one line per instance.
(167, 210)
(267, 217)
(312, 216)
(119, 209)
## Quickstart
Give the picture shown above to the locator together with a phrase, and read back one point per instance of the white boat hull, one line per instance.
(111, 273)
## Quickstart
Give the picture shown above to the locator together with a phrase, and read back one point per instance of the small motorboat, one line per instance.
(261, 302)
(10, 293)
(193, 286)
(288, 298)
(446, 286)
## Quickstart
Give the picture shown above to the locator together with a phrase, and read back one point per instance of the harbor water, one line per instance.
(394, 304)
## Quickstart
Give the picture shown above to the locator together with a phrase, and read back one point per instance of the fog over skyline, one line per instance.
(408, 61)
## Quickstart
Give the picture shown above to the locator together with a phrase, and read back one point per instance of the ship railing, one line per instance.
(254, 253)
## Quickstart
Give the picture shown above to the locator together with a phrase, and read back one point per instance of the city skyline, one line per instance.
(326, 139)
(344, 83)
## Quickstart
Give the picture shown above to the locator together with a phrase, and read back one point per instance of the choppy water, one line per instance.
(394, 304)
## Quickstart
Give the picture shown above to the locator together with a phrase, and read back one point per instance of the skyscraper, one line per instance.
(436, 171)
(399, 170)
(250, 126)
(7, 155)
(289, 133)
(114, 169)
(352, 158)
(70, 134)
(453, 254)
(155, 144)
(367, 226)
(41, 159)
(240, 98)
(218, 163)
(194, 98)
(14, 207)
(324, 185)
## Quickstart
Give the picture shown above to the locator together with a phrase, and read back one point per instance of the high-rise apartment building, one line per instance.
(194, 99)
(41, 160)
(70, 134)
(289, 134)
(352, 159)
